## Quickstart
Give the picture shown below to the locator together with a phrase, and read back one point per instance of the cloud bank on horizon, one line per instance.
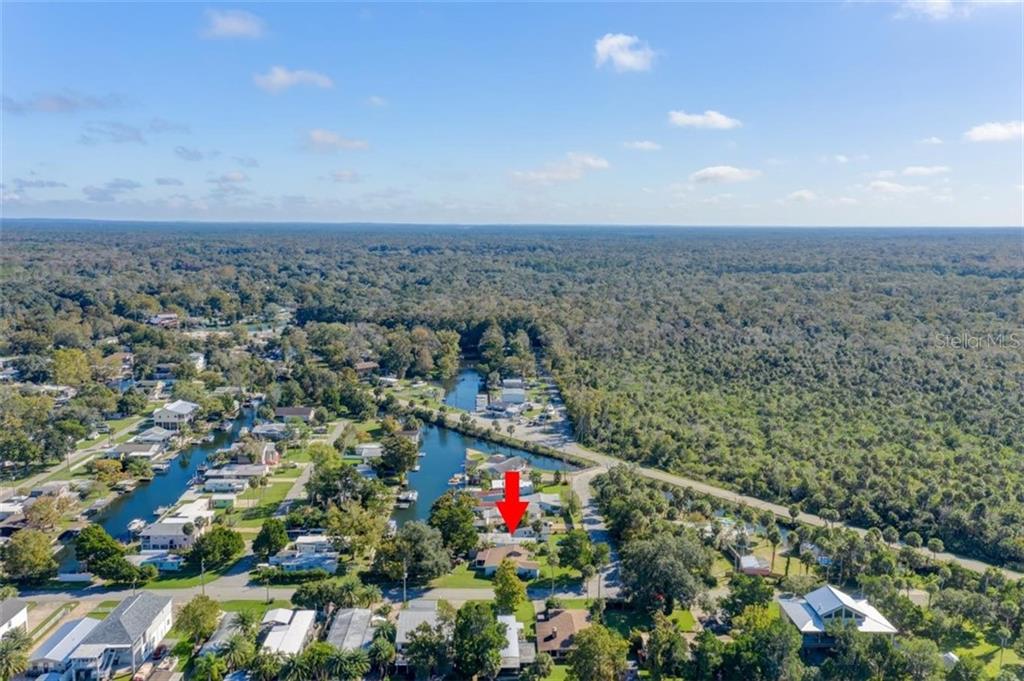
(867, 114)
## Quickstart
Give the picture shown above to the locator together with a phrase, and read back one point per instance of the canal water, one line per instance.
(164, 490)
(446, 452)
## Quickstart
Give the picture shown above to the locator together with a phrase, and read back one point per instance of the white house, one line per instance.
(198, 360)
(13, 615)
(155, 435)
(134, 450)
(812, 614)
(175, 415)
(178, 530)
(125, 638)
(219, 485)
(289, 638)
(54, 655)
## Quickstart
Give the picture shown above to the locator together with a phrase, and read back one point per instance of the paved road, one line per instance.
(606, 583)
(557, 435)
(77, 458)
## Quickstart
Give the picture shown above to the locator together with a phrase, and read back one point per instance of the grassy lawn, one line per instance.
(987, 652)
(564, 577)
(623, 621)
(526, 615)
(560, 672)
(462, 577)
(103, 609)
(287, 473)
(186, 578)
(259, 606)
(272, 497)
(297, 455)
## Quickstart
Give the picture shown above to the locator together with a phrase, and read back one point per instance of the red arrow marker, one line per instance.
(511, 508)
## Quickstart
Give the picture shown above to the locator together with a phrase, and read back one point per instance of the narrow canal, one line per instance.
(164, 490)
(446, 452)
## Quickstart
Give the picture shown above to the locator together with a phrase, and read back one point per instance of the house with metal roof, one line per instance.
(814, 613)
(175, 415)
(219, 638)
(291, 637)
(54, 655)
(517, 652)
(352, 629)
(13, 615)
(124, 639)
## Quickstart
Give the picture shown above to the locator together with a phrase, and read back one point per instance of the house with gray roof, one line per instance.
(416, 612)
(352, 629)
(13, 615)
(225, 630)
(813, 614)
(124, 639)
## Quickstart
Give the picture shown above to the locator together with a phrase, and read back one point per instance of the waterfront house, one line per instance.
(180, 529)
(155, 435)
(175, 415)
(488, 561)
(304, 414)
(556, 633)
(272, 431)
(352, 629)
(13, 615)
(289, 638)
(224, 485)
(369, 451)
(134, 450)
(125, 638)
(813, 613)
(55, 488)
(497, 465)
(223, 500)
(238, 470)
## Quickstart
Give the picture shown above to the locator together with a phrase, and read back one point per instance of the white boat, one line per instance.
(422, 454)
(160, 510)
(409, 496)
(416, 468)
(136, 525)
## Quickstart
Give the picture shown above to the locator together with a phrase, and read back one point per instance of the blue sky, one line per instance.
(694, 114)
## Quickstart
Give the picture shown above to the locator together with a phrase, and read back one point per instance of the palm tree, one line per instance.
(13, 654)
(209, 667)
(247, 623)
(238, 651)
(350, 665)
(266, 666)
(382, 653)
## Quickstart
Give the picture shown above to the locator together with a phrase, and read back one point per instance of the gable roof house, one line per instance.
(517, 651)
(555, 634)
(125, 638)
(813, 614)
(352, 629)
(54, 655)
(291, 637)
(304, 414)
(488, 560)
(13, 615)
(174, 415)
(417, 612)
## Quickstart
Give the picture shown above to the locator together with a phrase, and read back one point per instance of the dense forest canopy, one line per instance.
(825, 368)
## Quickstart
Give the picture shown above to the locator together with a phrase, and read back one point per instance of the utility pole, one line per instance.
(202, 574)
(405, 577)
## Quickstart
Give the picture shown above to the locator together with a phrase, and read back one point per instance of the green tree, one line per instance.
(28, 556)
(272, 538)
(477, 641)
(71, 367)
(238, 651)
(663, 570)
(765, 647)
(429, 650)
(198, 618)
(452, 515)
(666, 650)
(576, 550)
(399, 456)
(509, 590)
(209, 667)
(539, 669)
(220, 546)
(14, 648)
(744, 591)
(416, 549)
(599, 654)
(707, 657)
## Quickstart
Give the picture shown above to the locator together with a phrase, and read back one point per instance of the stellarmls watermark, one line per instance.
(967, 340)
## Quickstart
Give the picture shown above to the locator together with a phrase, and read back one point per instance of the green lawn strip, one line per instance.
(103, 609)
(297, 455)
(462, 577)
(48, 623)
(286, 473)
(560, 672)
(272, 496)
(187, 578)
(526, 615)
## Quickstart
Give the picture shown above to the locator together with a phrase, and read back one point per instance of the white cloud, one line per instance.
(642, 145)
(801, 196)
(885, 187)
(346, 176)
(925, 171)
(996, 132)
(377, 101)
(723, 174)
(625, 52)
(573, 167)
(711, 120)
(846, 201)
(931, 140)
(278, 79)
(232, 24)
(841, 158)
(932, 9)
(319, 139)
